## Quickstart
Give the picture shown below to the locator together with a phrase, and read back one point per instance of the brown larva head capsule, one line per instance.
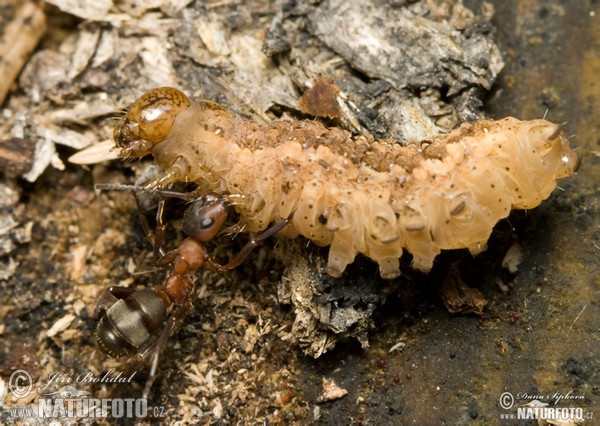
(149, 121)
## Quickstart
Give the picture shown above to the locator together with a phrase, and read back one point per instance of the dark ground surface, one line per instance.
(540, 333)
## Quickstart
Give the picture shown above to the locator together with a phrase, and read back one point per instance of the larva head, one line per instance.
(549, 143)
(149, 121)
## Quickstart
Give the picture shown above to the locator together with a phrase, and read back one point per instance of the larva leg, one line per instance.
(340, 255)
(389, 268)
(176, 172)
(384, 244)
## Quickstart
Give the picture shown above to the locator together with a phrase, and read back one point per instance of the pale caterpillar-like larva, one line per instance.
(353, 193)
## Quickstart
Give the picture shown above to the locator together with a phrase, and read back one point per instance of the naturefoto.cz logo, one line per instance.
(534, 408)
(69, 401)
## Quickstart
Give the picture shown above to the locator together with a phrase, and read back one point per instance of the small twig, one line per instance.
(20, 37)
(576, 318)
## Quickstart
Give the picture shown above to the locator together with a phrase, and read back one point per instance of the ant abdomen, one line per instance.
(131, 323)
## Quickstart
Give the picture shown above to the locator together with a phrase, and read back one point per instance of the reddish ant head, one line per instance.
(205, 217)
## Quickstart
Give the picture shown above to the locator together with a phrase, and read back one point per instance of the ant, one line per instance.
(141, 321)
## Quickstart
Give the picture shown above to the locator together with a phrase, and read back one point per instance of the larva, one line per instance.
(353, 193)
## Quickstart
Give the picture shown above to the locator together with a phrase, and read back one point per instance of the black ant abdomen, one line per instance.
(131, 322)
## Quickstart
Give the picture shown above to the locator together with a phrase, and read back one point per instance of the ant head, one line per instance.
(149, 121)
(205, 217)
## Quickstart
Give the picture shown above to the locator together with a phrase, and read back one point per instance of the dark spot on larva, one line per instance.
(492, 185)
(305, 217)
(397, 215)
(507, 169)
(311, 226)
(322, 219)
(324, 164)
(310, 206)
(348, 192)
(459, 208)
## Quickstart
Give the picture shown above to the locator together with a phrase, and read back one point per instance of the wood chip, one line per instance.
(331, 391)
(60, 325)
(20, 37)
(458, 297)
(91, 10)
(512, 258)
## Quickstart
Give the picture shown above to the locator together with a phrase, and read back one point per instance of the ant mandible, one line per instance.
(131, 321)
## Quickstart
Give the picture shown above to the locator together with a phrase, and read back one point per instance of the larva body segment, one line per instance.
(354, 193)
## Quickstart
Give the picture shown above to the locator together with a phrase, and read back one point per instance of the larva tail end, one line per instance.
(570, 160)
(550, 144)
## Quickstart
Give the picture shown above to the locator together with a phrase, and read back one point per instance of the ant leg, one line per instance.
(157, 346)
(159, 232)
(156, 240)
(151, 374)
(241, 256)
(134, 188)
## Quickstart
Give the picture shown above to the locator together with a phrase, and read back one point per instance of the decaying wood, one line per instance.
(18, 40)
